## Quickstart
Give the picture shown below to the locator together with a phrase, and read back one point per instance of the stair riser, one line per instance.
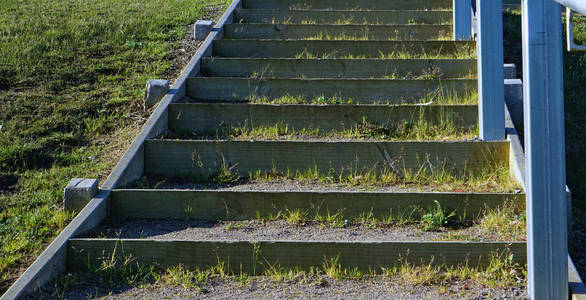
(347, 4)
(360, 91)
(349, 32)
(342, 17)
(255, 257)
(229, 206)
(173, 158)
(336, 49)
(208, 118)
(336, 68)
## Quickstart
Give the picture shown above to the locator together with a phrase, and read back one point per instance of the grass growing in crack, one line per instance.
(234, 226)
(289, 99)
(436, 97)
(501, 271)
(127, 270)
(226, 174)
(366, 36)
(419, 128)
(492, 177)
(350, 20)
(504, 221)
(462, 51)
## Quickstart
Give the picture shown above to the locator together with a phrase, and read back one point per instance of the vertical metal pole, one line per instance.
(462, 19)
(547, 241)
(491, 88)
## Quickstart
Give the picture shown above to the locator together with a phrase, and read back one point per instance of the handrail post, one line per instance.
(547, 240)
(462, 19)
(491, 89)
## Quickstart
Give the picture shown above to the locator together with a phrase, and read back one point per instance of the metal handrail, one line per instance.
(545, 178)
(571, 45)
(575, 5)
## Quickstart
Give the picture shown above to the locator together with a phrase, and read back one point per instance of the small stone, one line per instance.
(346, 223)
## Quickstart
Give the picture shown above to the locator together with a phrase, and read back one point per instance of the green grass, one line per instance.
(72, 76)
(506, 223)
(463, 51)
(419, 128)
(500, 272)
(365, 36)
(437, 97)
(493, 177)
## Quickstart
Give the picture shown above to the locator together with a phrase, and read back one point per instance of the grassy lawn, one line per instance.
(72, 76)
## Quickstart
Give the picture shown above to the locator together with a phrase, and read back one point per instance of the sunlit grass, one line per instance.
(418, 127)
(462, 51)
(437, 97)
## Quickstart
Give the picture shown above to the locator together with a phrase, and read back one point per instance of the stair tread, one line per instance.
(337, 31)
(343, 16)
(343, 49)
(280, 230)
(348, 4)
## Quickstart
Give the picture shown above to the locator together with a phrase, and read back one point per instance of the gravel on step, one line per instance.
(283, 184)
(262, 287)
(256, 230)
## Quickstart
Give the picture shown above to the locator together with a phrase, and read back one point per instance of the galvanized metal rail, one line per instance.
(544, 124)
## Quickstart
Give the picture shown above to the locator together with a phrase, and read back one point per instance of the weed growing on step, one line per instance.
(235, 226)
(124, 269)
(507, 221)
(436, 218)
(226, 174)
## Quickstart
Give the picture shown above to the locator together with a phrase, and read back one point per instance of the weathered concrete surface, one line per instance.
(78, 193)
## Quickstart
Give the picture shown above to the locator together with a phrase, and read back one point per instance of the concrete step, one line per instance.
(337, 68)
(305, 16)
(386, 91)
(344, 49)
(338, 32)
(224, 205)
(348, 4)
(253, 257)
(203, 158)
(205, 118)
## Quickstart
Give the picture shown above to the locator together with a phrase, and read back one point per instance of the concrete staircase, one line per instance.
(325, 65)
